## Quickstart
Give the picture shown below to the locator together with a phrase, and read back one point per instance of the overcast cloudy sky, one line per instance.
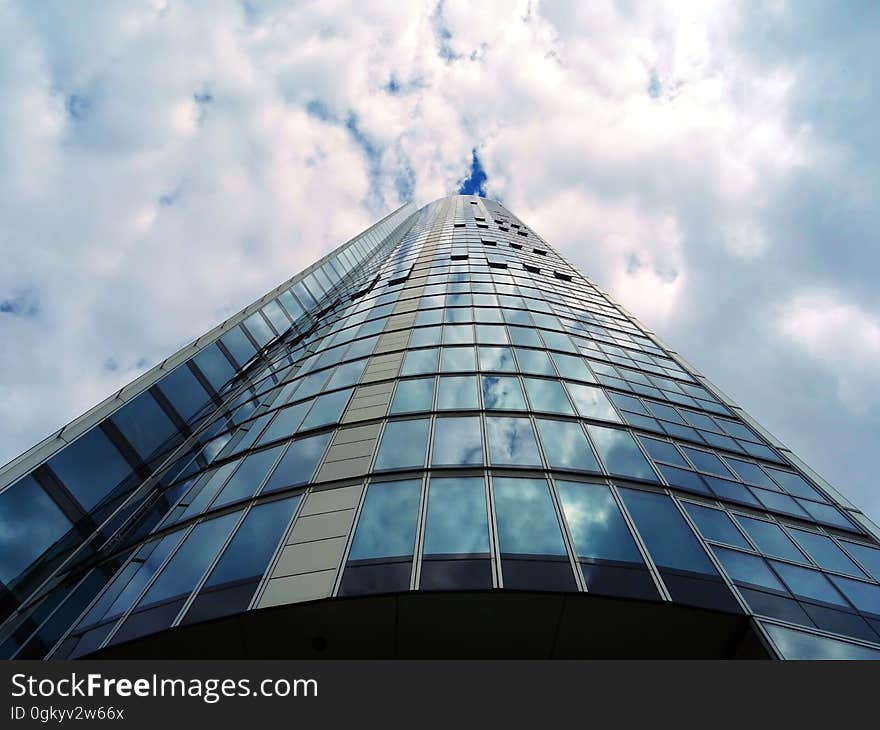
(715, 166)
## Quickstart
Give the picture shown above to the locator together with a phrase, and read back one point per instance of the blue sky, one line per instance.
(714, 166)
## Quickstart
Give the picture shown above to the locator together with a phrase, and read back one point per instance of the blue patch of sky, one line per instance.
(23, 304)
(475, 182)
(442, 34)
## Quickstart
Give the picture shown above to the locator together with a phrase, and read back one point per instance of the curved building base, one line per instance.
(481, 624)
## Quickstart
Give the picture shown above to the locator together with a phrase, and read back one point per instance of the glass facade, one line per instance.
(441, 405)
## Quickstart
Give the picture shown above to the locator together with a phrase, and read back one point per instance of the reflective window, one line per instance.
(596, 524)
(591, 402)
(184, 392)
(619, 453)
(144, 424)
(285, 423)
(413, 395)
(864, 596)
(668, 536)
(794, 484)
(458, 393)
(794, 644)
(527, 522)
(748, 569)
(248, 477)
(457, 441)
(869, 557)
(387, 524)
(499, 359)
(715, 524)
(512, 441)
(30, 522)
(457, 521)
(327, 409)
(809, 584)
(346, 375)
(425, 336)
(572, 367)
(770, 539)
(214, 366)
(488, 334)
(547, 395)
(825, 552)
(704, 461)
(458, 334)
(90, 467)
(663, 451)
(534, 362)
(457, 359)
(420, 362)
(566, 446)
(526, 337)
(750, 473)
(502, 393)
(403, 444)
(298, 463)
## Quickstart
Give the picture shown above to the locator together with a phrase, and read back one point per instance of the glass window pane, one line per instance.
(503, 393)
(750, 473)
(90, 467)
(185, 569)
(668, 536)
(457, 441)
(144, 424)
(346, 375)
(619, 452)
(864, 596)
(512, 441)
(547, 395)
(214, 366)
(663, 451)
(716, 525)
(403, 444)
(248, 554)
(748, 569)
(809, 584)
(425, 337)
(704, 461)
(420, 362)
(770, 539)
(794, 644)
(794, 484)
(298, 463)
(497, 358)
(566, 446)
(457, 359)
(413, 395)
(458, 392)
(184, 392)
(527, 522)
(534, 362)
(591, 402)
(825, 552)
(596, 524)
(248, 477)
(387, 524)
(457, 521)
(285, 423)
(458, 334)
(525, 336)
(489, 334)
(572, 367)
(30, 522)
(867, 556)
(327, 409)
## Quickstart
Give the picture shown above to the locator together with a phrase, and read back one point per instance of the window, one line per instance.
(457, 442)
(298, 463)
(347, 375)
(534, 362)
(502, 393)
(420, 362)
(572, 367)
(750, 473)
(231, 584)
(770, 539)
(326, 409)
(457, 359)
(867, 556)
(457, 521)
(591, 402)
(497, 358)
(525, 336)
(794, 644)
(458, 334)
(794, 484)
(413, 395)
(403, 444)
(458, 393)
(748, 569)
(663, 451)
(596, 524)
(566, 446)
(808, 584)
(864, 596)
(144, 424)
(248, 477)
(90, 467)
(619, 453)
(714, 524)
(387, 524)
(488, 334)
(527, 522)
(547, 395)
(704, 461)
(825, 552)
(285, 423)
(512, 442)
(184, 392)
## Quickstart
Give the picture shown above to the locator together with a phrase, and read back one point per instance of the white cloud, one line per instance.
(841, 336)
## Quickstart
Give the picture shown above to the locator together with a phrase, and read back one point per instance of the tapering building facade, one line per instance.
(441, 440)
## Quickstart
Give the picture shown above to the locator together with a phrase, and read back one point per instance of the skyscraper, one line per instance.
(439, 440)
